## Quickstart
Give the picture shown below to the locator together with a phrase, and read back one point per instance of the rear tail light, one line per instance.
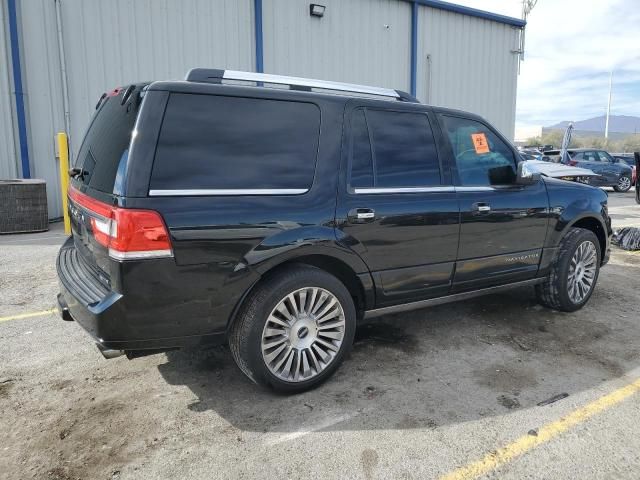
(127, 233)
(573, 163)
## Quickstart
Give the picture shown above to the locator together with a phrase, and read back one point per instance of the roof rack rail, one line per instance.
(212, 75)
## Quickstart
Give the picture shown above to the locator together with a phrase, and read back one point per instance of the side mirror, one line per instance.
(527, 175)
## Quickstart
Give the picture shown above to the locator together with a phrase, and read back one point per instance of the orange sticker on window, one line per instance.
(480, 143)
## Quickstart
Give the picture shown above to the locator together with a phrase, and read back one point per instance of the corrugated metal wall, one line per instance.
(360, 41)
(122, 41)
(43, 101)
(108, 44)
(357, 41)
(472, 66)
(8, 158)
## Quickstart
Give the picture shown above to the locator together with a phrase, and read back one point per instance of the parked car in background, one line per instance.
(530, 154)
(611, 173)
(627, 158)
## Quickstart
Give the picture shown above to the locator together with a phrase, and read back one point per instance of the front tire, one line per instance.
(624, 184)
(294, 330)
(574, 272)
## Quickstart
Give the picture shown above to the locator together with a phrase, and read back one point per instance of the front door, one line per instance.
(503, 224)
(609, 169)
(396, 206)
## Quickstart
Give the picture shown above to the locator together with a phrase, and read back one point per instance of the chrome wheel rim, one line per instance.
(303, 334)
(624, 183)
(582, 271)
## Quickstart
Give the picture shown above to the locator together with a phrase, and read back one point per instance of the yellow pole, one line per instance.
(63, 152)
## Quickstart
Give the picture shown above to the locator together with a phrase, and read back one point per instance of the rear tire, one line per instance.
(294, 330)
(574, 272)
(624, 184)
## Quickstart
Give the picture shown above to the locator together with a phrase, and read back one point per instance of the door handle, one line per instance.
(361, 215)
(481, 207)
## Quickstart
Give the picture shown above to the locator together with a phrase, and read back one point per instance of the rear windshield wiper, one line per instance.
(76, 172)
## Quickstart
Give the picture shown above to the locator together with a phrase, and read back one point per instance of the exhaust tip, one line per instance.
(109, 353)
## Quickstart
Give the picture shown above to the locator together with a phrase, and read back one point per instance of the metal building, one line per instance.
(58, 56)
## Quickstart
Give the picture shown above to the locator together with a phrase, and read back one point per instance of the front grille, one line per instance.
(78, 277)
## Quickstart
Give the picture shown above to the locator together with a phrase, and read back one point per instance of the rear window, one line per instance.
(106, 143)
(216, 142)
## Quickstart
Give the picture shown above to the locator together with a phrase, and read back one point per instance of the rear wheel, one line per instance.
(624, 184)
(294, 330)
(574, 272)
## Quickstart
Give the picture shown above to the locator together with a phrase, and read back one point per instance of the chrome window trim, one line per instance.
(227, 192)
(374, 190)
(478, 188)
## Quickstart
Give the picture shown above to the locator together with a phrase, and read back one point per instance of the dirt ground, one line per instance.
(421, 394)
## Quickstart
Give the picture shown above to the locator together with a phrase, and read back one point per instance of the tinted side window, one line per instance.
(404, 152)
(216, 142)
(361, 159)
(604, 157)
(404, 149)
(588, 156)
(482, 158)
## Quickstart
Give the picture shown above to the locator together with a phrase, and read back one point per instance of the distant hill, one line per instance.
(617, 123)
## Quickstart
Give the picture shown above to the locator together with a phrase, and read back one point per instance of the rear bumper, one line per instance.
(107, 316)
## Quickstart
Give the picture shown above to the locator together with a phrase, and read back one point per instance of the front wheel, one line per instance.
(294, 330)
(574, 272)
(624, 184)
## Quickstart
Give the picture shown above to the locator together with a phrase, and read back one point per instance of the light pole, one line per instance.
(606, 123)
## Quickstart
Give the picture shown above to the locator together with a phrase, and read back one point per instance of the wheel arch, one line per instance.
(359, 284)
(596, 226)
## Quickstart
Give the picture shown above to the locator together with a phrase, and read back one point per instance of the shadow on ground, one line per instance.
(448, 364)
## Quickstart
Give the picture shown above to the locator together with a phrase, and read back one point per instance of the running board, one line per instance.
(405, 307)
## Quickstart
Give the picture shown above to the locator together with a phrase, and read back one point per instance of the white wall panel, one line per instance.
(8, 158)
(472, 66)
(351, 43)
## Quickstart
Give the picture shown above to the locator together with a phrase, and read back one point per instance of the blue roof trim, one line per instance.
(17, 85)
(473, 12)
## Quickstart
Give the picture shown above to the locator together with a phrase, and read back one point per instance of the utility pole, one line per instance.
(606, 124)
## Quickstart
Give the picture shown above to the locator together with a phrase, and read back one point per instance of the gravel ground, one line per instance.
(421, 394)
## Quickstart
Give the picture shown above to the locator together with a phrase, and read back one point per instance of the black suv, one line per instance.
(276, 219)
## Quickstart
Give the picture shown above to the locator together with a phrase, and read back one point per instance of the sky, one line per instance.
(571, 46)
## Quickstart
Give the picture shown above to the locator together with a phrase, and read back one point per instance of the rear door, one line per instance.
(503, 224)
(396, 206)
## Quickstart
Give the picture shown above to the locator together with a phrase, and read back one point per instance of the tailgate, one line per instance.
(99, 168)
